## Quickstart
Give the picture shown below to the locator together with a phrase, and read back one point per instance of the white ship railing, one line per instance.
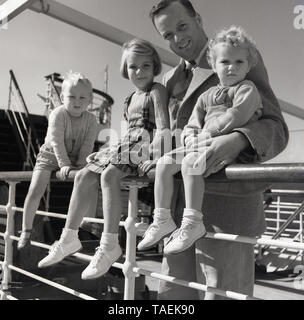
(253, 173)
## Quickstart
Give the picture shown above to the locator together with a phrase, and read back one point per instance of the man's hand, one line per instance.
(64, 172)
(146, 166)
(224, 150)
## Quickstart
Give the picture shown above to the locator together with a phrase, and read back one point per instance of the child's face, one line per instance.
(231, 64)
(76, 98)
(140, 70)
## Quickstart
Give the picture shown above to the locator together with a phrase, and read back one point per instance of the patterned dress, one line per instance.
(144, 112)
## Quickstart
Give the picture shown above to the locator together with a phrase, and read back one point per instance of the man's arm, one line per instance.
(268, 136)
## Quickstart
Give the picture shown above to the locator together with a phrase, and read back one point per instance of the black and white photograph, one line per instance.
(151, 153)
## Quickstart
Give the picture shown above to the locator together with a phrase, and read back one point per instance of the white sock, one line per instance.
(68, 235)
(193, 214)
(162, 213)
(109, 240)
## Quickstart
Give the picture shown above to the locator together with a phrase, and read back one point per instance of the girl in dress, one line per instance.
(145, 110)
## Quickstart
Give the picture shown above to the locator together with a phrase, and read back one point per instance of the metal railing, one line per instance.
(253, 173)
(22, 125)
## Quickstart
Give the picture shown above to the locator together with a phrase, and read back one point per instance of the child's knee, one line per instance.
(193, 164)
(85, 177)
(110, 176)
(164, 165)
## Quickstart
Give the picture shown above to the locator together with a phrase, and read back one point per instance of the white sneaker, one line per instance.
(59, 251)
(183, 238)
(156, 232)
(101, 262)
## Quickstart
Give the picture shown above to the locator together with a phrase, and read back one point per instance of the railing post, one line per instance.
(301, 235)
(278, 212)
(8, 251)
(129, 289)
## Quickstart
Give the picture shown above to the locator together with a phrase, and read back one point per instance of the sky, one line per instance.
(35, 45)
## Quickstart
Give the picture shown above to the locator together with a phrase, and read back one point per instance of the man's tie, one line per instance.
(179, 91)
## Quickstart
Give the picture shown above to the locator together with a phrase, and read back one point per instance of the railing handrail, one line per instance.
(266, 173)
(252, 173)
(24, 107)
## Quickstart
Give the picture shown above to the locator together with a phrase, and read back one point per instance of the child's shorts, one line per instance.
(46, 161)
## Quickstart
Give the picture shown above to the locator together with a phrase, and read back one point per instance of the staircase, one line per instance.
(284, 217)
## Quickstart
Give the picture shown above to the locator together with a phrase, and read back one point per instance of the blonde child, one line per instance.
(145, 110)
(69, 140)
(230, 105)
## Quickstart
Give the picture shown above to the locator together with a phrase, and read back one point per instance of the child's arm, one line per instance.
(57, 131)
(246, 103)
(160, 100)
(161, 143)
(88, 143)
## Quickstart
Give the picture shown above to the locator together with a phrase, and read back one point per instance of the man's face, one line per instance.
(184, 34)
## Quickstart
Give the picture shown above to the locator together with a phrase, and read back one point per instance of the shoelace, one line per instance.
(56, 245)
(155, 226)
(186, 226)
(98, 255)
(152, 228)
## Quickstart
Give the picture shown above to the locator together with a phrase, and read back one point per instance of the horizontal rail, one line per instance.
(286, 192)
(51, 283)
(63, 216)
(286, 172)
(194, 285)
(87, 258)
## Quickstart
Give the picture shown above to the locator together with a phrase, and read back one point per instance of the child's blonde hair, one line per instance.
(73, 78)
(140, 47)
(234, 36)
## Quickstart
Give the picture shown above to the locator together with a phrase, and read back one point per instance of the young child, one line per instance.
(69, 140)
(145, 110)
(221, 109)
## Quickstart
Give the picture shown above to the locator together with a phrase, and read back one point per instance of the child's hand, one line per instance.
(203, 139)
(146, 166)
(91, 157)
(64, 172)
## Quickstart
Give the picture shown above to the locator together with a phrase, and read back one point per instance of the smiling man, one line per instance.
(228, 207)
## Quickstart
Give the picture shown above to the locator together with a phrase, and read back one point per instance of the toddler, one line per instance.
(69, 140)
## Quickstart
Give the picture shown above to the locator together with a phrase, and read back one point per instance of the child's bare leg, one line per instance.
(109, 250)
(166, 168)
(85, 187)
(84, 193)
(111, 198)
(194, 183)
(163, 224)
(192, 227)
(39, 182)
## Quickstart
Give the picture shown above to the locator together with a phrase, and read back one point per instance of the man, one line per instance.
(228, 207)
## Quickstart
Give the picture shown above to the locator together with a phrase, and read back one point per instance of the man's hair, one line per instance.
(234, 36)
(163, 4)
(143, 48)
(73, 78)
